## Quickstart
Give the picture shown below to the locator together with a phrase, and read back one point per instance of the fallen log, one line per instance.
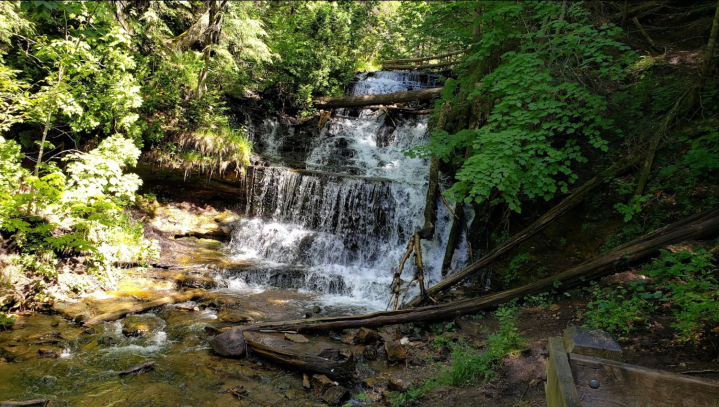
(144, 306)
(333, 363)
(141, 368)
(568, 203)
(386, 99)
(406, 60)
(396, 67)
(706, 224)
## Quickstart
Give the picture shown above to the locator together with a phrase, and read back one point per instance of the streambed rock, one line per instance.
(140, 325)
(395, 351)
(231, 316)
(196, 281)
(335, 395)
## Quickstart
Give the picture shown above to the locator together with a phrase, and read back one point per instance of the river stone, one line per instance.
(366, 335)
(26, 403)
(196, 281)
(296, 338)
(335, 395)
(230, 343)
(370, 352)
(139, 325)
(397, 384)
(395, 351)
(321, 382)
(233, 317)
(7, 297)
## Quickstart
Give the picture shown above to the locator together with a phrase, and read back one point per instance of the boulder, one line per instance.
(366, 335)
(335, 395)
(395, 351)
(321, 382)
(139, 325)
(231, 316)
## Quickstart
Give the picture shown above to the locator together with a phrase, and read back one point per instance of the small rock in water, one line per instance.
(141, 368)
(48, 380)
(350, 337)
(395, 351)
(139, 325)
(397, 384)
(233, 317)
(321, 382)
(335, 395)
(296, 338)
(306, 381)
(370, 353)
(196, 281)
(46, 353)
(366, 335)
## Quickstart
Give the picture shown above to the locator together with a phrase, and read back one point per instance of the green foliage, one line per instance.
(77, 212)
(633, 207)
(515, 265)
(618, 310)
(6, 321)
(468, 364)
(537, 115)
(685, 280)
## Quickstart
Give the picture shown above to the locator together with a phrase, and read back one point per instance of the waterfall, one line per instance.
(340, 225)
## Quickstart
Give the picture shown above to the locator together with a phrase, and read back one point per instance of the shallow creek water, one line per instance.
(328, 234)
(186, 372)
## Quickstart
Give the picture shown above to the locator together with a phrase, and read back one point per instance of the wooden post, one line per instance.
(591, 342)
(560, 388)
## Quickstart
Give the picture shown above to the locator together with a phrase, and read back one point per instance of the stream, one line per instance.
(326, 226)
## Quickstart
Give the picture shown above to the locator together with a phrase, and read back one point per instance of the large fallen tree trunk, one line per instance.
(400, 67)
(705, 224)
(144, 306)
(333, 363)
(386, 99)
(566, 204)
(406, 60)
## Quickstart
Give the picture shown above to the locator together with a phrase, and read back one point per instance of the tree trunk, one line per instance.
(301, 357)
(711, 46)
(705, 224)
(430, 205)
(566, 204)
(395, 67)
(454, 234)
(406, 60)
(386, 99)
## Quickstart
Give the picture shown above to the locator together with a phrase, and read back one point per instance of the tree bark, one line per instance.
(396, 67)
(386, 99)
(705, 224)
(454, 234)
(278, 350)
(406, 60)
(711, 46)
(430, 205)
(566, 204)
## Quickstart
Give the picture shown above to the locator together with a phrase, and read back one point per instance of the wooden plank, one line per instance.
(621, 384)
(560, 388)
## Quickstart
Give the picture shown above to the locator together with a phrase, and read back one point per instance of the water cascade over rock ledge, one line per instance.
(338, 225)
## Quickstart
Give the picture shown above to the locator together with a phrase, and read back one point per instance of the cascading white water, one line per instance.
(340, 226)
